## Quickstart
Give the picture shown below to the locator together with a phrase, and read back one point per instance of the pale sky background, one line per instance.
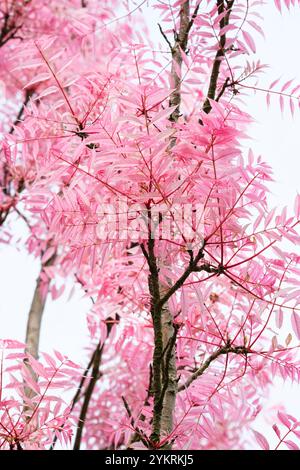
(274, 137)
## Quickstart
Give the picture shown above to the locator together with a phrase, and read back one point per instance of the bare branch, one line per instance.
(165, 37)
(224, 350)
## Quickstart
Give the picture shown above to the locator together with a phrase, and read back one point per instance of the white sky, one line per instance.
(275, 137)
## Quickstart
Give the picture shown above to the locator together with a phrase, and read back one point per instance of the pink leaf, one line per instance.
(11, 344)
(292, 106)
(39, 78)
(297, 206)
(281, 101)
(274, 83)
(284, 419)
(291, 445)
(278, 4)
(296, 432)
(249, 41)
(286, 85)
(295, 320)
(277, 430)
(262, 441)
(164, 113)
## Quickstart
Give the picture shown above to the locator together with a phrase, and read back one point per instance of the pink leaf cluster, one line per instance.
(87, 138)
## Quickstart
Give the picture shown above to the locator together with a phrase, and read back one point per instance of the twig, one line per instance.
(165, 37)
(138, 431)
(224, 350)
(28, 95)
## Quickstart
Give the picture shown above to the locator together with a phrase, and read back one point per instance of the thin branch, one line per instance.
(6, 173)
(28, 95)
(219, 55)
(224, 350)
(78, 391)
(192, 267)
(141, 435)
(78, 395)
(193, 17)
(97, 357)
(225, 85)
(8, 31)
(165, 37)
(136, 436)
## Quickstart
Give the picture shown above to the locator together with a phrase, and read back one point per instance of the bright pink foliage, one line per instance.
(94, 136)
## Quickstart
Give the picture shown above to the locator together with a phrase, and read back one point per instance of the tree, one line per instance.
(128, 166)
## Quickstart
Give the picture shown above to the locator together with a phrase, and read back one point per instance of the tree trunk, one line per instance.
(34, 320)
(33, 330)
(168, 330)
(36, 311)
(169, 333)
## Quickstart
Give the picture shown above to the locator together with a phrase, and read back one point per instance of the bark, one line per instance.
(33, 329)
(164, 329)
(170, 370)
(88, 395)
(181, 40)
(153, 283)
(94, 377)
(165, 386)
(34, 320)
(224, 350)
(35, 315)
(219, 55)
(168, 329)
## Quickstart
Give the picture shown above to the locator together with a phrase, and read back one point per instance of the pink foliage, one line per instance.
(94, 142)
(32, 422)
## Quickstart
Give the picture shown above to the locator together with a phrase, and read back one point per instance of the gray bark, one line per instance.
(168, 333)
(35, 315)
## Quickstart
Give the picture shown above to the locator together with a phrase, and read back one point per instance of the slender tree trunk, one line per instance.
(165, 386)
(33, 330)
(35, 319)
(168, 332)
(181, 41)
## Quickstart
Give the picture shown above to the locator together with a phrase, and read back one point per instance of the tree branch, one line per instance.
(78, 391)
(137, 432)
(6, 178)
(224, 350)
(192, 267)
(136, 436)
(165, 36)
(219, 55)
(9, 28)
(97, 356)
